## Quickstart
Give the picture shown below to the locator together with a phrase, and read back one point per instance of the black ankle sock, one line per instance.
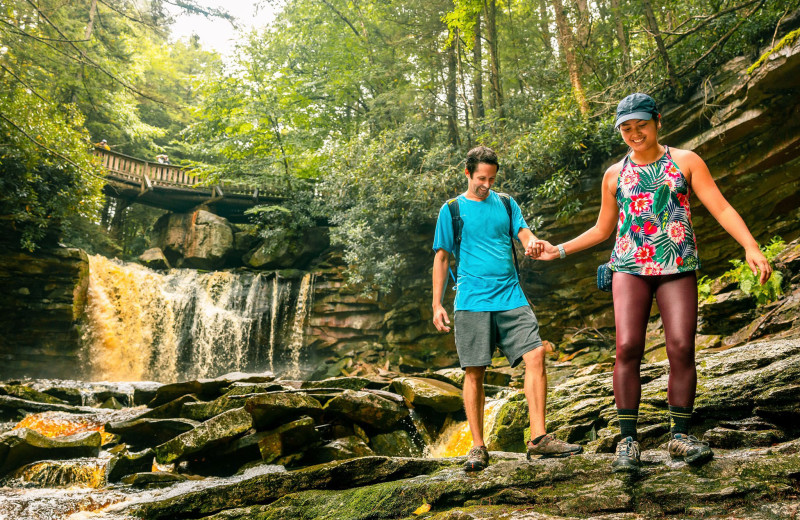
(627, 421)
(680, 416)
(537, 439)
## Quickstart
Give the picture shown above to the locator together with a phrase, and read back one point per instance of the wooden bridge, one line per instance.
(175, 189)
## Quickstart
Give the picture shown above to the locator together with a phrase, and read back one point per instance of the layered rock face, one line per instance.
(42, 297)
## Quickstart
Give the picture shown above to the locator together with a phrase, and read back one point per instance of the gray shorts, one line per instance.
(514, 332)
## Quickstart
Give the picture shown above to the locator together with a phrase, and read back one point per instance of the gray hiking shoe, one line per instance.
(689, 448)
(477, 459)
(627, 460)
(548, 446)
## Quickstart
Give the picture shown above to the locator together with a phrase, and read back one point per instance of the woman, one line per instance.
(646, 195)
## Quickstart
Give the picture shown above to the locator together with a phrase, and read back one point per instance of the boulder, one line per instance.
(203, 388)
(367, 408)
(148, 432)
(199, 240)
(269, 410)
(431, 393)
(341, 449)
(207, 435)
(283, 249)
(293, 437)
(152, 479)
(395, 444)
(29, 394)
(725, 313)
(154, 259)
(21, 446)
(125, 463)
(345, 383)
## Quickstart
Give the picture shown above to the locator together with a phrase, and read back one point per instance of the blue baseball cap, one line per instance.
(636, 106)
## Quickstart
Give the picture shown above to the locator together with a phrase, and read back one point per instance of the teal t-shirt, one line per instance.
(487, 280)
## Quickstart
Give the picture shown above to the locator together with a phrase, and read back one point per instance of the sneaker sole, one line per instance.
(625, 469)
(554, 455)
(700, 458)
(474, 466)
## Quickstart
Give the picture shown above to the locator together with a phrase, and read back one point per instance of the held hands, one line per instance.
(440, 319)
(758, 263)
(541, 250)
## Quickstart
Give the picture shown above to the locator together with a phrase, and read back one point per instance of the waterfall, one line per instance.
(456, 439)
(298, 328)
(184, 324)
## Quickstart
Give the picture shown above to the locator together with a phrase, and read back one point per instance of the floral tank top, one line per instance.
(655, 234)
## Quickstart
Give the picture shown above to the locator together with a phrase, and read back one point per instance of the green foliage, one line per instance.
(749, 283)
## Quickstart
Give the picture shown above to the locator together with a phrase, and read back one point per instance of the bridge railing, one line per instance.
(146, 174)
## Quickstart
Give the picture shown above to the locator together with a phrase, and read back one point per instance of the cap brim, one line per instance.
(633, 115)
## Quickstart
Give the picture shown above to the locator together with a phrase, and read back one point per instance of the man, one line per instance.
(490, 307)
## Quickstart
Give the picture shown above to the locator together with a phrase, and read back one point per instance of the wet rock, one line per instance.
(345, 383)
(367, 408)
(149, 432)
(84, 472)
(395, 444)
(497, 377)
(154, 259)
(19, 447)
(727, 438)
(341, 449)
(207, 435)
(265, 488)
(170, 409)
(151, 479)
(29, 394)
(577, 487)
(269, 410)
(205, 389)
(125, 463)
(293, 437)
(431, 393)
(233, 398)
(10, 406)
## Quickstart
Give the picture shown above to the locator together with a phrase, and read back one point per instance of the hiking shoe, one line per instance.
(689, 448)
(548, 446)
(477, 459)
(627, 456)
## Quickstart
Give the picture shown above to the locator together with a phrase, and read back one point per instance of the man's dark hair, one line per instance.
(480, 154)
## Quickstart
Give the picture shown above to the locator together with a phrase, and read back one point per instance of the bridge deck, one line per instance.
(175, 189)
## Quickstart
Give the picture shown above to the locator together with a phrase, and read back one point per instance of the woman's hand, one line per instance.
(758, 264)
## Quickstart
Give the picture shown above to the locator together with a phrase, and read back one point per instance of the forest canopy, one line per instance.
(361, 111)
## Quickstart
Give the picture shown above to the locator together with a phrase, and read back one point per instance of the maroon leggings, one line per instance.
(676, 295)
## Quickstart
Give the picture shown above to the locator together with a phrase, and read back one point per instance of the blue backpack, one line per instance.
(458, 224)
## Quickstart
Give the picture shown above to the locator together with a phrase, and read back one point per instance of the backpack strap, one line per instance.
(458, 225)
(506, 198)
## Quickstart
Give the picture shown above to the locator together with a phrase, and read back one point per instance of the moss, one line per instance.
(786, 41)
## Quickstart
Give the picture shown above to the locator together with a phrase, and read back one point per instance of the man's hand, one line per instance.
(547, 251)
(758, 264)
(534, 248)
(440, 319)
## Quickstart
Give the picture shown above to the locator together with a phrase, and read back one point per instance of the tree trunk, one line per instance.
(662, 50)
(87, 33)
(622, 36)
(583, 23)
(450, 89)
(490, 6)
(567, 43)
(477, 80)
(544, 25)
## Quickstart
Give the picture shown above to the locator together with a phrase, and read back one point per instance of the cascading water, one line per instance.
(144, 325)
